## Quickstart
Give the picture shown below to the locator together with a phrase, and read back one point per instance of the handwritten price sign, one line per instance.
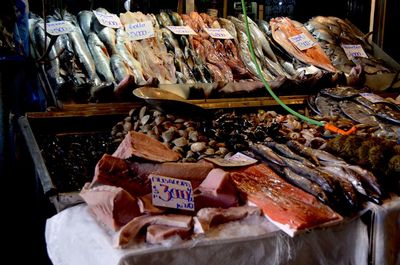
(353, 51)
(172, 193)
(140, 30)
(302, 42)
(218, 33)
(182, 30)
(108, 19)
(58, 28)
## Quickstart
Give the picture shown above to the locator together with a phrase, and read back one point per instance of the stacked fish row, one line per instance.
(107, 61)
(380, 116)
(332, 33)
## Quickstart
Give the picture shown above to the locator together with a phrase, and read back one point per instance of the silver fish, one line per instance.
(85, 19)
(106, 35)
(176, 19)
(101, 57)
(341, 172)
(54, 63)
(119, 68)
(123, 45)
(305, 184)
(327, 107)
(82, 50)
(286, 152)
(267, 153)
(261, 37)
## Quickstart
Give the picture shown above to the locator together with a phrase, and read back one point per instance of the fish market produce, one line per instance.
(332, 33)
(284, 28)
(376, 154)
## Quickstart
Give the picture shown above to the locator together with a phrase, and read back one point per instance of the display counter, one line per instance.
(75, 238)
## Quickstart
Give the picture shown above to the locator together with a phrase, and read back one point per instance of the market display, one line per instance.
(298, 182)
(94, 62)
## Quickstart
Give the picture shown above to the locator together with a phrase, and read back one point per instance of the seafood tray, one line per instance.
(75, 140)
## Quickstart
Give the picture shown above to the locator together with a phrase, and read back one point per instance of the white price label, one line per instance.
(58, 28)
(242, 158)
(172, 193)
(353, 51)
(108, 19)
(218, 33)
(373, 98)
(182, 30)
(302, 41)
(140, 30)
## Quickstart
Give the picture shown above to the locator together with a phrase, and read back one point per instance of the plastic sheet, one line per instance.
(386, 233)
(74, 238)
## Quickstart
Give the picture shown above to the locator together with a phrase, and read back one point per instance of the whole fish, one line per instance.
(229, 26)
(164, 20)
(101, 57)
(345, 174)
(345, 185)
(327, 107)
(119, 68)
(54, 63)
(340, 92)
(358, 113)
(283, 28)
(303, 150)
(82, 50)
(267, 153)
(310, 173)
(105, 34)
(305, 185)
(123, 47)
(367, 178)
(324, 156)
(85, 18)
(176, 19)
(261, 37)
(286, 152)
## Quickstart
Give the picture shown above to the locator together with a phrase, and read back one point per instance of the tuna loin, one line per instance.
(158, 233)
(112, 206)
(216, 190)
(132, 229)
(143, 146)
(133, 176)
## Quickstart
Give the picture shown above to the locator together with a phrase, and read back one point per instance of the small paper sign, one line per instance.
(242, 157)
(353, 51)
(182, 30)
(58, 27)
(302, 41)
(373, 98)
(108, 19)
(172, 193)
(140, 30)
(218, 33)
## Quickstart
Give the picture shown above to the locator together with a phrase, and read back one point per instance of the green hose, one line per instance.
(253, 57)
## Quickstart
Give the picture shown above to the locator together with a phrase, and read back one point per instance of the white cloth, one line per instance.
(74, 238)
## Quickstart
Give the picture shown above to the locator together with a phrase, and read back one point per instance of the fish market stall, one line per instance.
(199, 57)
(297, 187)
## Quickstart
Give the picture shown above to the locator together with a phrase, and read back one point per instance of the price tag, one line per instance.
(172, 193)
(302, 41)
(182, 30)
(58, 28)
(353, 51)
(373, 98)
(108, 19)
(220, 33)
(242, 158)
(140, 30)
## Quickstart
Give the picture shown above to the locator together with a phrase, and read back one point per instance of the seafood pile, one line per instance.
(332, 33)
(296, 151)
(376, 115)
(99, 63)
